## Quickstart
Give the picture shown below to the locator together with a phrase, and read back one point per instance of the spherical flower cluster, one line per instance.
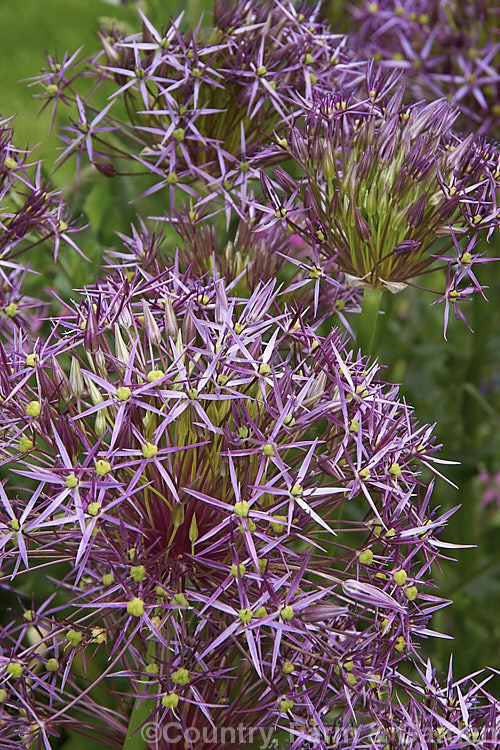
(198, 104)
(230, 495)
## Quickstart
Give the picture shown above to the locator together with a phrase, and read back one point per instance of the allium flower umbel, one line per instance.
(385, 186)
(198, 104)
(234, 506)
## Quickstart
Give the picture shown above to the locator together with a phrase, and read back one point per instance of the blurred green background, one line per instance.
(26, 30)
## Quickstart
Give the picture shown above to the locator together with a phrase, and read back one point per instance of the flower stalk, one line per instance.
(367, 323)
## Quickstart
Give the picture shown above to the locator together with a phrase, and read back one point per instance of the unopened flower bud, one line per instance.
(121, 351)
(150, 324)
(400, 577)
(171, 325)
(76, 379)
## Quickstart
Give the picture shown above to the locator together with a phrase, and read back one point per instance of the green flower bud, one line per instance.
(25, 444)
(395, 469)
(52, 665)
(154, 375)
(412, 593)
(180, 599)
(76, 381)
(269, 449)
(107, 579)
(33, 409)
(278, 525)
(354, 425)
(98, 635)
(288, 667)
(123, 393)
(93, 509)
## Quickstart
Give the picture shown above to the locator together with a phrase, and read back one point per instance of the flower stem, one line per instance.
(368, 319)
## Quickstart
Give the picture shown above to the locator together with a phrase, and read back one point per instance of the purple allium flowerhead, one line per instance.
(230, 508)
(385, 186)
(443, 49)
(198, 103)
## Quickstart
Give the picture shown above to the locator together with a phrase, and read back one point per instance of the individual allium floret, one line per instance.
(198, 103)
(235, 502)
(385, 186)
(448, 49)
